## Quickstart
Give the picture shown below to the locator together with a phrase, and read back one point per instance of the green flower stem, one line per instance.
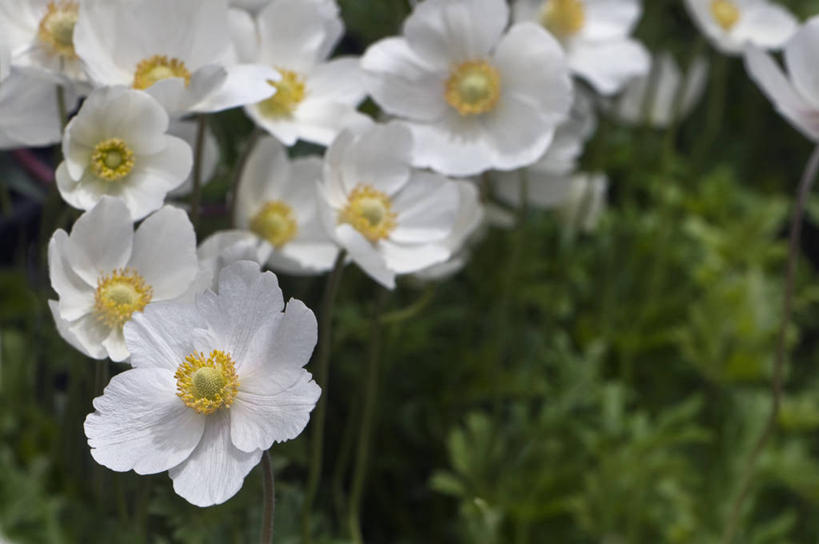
(269, 499)
(322, 371)
(198, 151)
(794, 248)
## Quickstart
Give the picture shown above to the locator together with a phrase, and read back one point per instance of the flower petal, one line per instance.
(76, 295)
(162, 335)
(102, 238)
(426, 208)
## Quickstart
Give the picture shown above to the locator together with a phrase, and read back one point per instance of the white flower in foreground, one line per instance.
(730, 25)
(276, 202)
(475, 97)
(390, 218)
(315, 99)
(41, 36)
(671, 94)
(595, 35)
(180, 52)
(29, 116)
(187, 130)
(213, 386)
(796, 96)
(105, 273)
(117, 145)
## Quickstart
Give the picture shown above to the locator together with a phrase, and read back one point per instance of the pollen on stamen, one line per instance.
(56, 28)
(473, 88)
(563, 18)
(275, 222)
(120, 294)
(290, 92)
(726, 13)
(207, 383)
(369, 211)
(157, 68)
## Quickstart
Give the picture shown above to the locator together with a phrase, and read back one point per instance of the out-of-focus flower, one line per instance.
(796, 96)
(249, 5)
(187, 129)
(117, 145)
(180, 52)
(390, 218)
(29, 115)
(214, 385)
(730, 25)
(595, 35)
(5, 59)
(475, 97)
(40, 34)
(314, 99)
(105, 273)
(664, 94)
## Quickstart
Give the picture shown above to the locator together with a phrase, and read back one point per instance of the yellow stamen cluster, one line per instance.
(207, 383)
(120, 294)
(157, 68)
(56, 28)
(563, 18)
(112, 159)
(290, 91)
(275, 222)
(725, 12)
(369, 211)
(473, 88)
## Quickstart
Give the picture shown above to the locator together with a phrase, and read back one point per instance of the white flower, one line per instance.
(730, 25)
(595, 35)
(40, 34)
(220, 250)
(213, 386)
(180, 52)
(29, 116)
(796, 96)
(5, 59)
(314, 99)
(105, 273)
(187, 130)
(117, 145)
(671, 94)
(249, 5)
(390, 218)
(474, 96)
(276, 202)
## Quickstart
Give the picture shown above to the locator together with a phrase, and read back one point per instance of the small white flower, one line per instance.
(796, 96)
(314, 99)
(180, 52)
(475, 97)
(117, 145)
(595, 35)
(187, 130)
(213, 386)
(219, 251)
(390, 218)
(671, 94)
(730, 25)
(105, 273)
(29, 116)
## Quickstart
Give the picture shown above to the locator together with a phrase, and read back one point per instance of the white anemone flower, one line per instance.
(474, 95)
(105, 273)
(665, 95)
(214, 385)
(117, 145)
(29, 116)
(596, 35)
(390, 218)
(180, 52)
(730, 25)
(40, 34)
(795, 95)
(315, 99)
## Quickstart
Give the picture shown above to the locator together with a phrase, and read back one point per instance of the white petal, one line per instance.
(365, 255)
(292, 35)
(103, 238)
(266, 172)
(800, 59)
(320, 122)
(766, 24)
(244, 84)
(161, 335)
(380, 157)
(608, 66)
(85, 335)
(114, 345)
(406, 258)
(426, 208)
(340, 80)
(76, 295)
(517, 133)
(608, 19)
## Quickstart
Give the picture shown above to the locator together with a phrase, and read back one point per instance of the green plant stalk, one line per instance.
(322, 365)
(269, 499)
(794, 246)
(198, 151)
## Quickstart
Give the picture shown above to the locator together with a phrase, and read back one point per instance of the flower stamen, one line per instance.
(120, 294)
(290, 91)
(563, 18)
(726, 13)
(56, 29)
(473, 88)
(369, 211)
(112, 159)
(207, 383)
(157, 68)
(275, 222)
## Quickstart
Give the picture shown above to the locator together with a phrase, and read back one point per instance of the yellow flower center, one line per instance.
(275, 222)
(473, 88)
(120, 294)
(157, 68)
(290, 91)
(725, 12)
(56, 28)
(369, 211)
(207, 383)
(112, 159)
(563, 18)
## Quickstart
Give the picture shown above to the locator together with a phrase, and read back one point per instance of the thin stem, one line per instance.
(805, 187)
(370, 399)
(196, 194)
(413, 309)
(240, 169)
(716, 108)
(269, 499)
(62, 109)
(322, 366)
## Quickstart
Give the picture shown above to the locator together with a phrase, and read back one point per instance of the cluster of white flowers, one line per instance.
(470, 88)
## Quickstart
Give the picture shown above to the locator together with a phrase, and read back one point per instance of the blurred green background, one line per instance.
(598, 388)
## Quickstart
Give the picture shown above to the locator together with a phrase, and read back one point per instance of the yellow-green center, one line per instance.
(112, 159)
(726, 13)
(563, 18)
(473, 88)
(290, 91)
